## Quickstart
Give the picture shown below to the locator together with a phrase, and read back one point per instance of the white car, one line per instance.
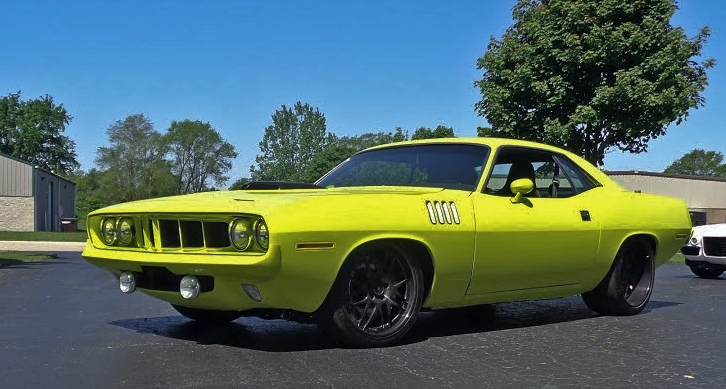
(705, 252)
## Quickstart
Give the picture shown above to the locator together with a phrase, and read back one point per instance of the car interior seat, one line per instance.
(519, 169)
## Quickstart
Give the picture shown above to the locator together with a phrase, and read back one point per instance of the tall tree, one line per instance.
(343, 147)
(699, 162)
(200, 156)
(591, 75)
(290, 142)
(32, 130)
(438, 132)
(90, 194)
(134, 165)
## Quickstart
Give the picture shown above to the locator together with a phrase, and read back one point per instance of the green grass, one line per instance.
(43, 236)
(678, 258)
(14, 257)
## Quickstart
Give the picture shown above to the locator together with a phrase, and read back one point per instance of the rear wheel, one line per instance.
(207, 316)
(626, 289)
(376, 298)
(704, 271)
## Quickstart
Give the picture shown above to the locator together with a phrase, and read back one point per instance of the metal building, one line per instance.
(33, 199)
(705, 196)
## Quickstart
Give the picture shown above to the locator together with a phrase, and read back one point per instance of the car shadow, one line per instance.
(286, 336)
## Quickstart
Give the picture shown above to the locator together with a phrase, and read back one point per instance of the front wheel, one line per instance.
(376, 298)
(207, 316)
(705, 271)
(626, 289)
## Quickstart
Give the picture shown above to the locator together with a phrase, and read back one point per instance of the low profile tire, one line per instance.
(376, 298)
(626, 289)
(705, 271)
(206, 316)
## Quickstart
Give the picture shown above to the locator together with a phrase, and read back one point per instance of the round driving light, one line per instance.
(127, 282)
(189, 287)
(694, 241)
(125, 231)
(108, 231)
(240, 234)
(262, 236)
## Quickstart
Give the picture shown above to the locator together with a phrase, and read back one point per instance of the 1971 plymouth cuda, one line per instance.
(393, 230)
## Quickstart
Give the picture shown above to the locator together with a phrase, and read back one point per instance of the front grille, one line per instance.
(714, 246)
(192, 234)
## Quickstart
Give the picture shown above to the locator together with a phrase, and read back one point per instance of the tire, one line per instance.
(376, 298)
(627, 287)
(706, 271)
(206, 316)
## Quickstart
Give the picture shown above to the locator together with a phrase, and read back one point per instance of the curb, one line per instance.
(41, 246)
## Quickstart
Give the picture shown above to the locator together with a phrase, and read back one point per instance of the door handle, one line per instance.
(585, 215)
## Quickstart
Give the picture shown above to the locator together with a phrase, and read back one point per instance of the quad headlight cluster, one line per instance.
(245, 232)
(118, 231)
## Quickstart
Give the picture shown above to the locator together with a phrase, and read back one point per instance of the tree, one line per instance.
(438, 132)
(699, 162)
(32, 130)
(133, 164)
(90, 195)
(591, 75)
(199, 155)
(290, 142)
(343, 147)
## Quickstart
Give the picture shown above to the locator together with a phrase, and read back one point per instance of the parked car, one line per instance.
(705, 251)
(393, 230)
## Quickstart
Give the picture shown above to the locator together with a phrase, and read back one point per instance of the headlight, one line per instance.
(125, 231)
(108, 231)
(240, 234)
(694, 241)
(262, 236)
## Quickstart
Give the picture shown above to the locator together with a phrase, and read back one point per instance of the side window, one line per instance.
(513, 163)
(498, 177)
(554, 176)
(581, 182)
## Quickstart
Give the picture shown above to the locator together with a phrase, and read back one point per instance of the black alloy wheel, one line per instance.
(376, 298)
(636, 275)
(627, 288)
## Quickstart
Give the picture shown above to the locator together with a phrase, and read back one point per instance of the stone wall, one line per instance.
(16, 214)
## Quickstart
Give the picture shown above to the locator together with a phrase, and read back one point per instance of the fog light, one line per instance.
(189, 287)
(127, 282)
(253, 292)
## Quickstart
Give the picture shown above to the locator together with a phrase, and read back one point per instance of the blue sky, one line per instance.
(368, 66)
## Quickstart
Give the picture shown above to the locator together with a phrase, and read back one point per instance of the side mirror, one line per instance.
(520, 188)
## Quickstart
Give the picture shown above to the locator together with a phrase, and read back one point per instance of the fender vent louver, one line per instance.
(442, 212)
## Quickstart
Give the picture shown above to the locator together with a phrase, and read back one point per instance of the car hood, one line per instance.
(258, 201)
(710, 230)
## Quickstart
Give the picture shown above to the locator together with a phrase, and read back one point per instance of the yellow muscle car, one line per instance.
(393, 230)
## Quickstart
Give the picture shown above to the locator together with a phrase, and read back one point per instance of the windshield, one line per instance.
(450, 166)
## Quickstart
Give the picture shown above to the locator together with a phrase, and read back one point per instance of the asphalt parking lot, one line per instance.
(64, 324)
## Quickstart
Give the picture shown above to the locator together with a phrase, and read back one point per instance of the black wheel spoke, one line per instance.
(370, 311)
(378, 292)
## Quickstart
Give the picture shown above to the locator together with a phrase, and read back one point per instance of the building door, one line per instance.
(49, 215)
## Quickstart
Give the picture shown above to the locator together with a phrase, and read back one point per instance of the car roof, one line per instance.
(491, 142)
